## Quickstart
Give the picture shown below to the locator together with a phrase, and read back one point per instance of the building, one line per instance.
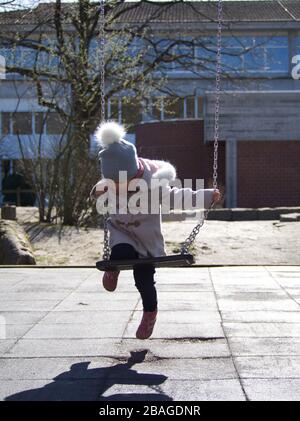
(259, 149)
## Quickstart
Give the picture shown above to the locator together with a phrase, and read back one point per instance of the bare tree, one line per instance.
(60, 55)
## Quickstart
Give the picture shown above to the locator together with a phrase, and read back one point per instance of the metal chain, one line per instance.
(102, 57)
(106, 248)
(191, 238)
(217, 94)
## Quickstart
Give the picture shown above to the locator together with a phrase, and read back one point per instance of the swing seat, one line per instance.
(173, 260)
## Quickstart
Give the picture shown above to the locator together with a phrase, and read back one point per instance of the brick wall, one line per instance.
(180, 142)
(268, 173)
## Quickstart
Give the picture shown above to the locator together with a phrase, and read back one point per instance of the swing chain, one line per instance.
(106, 248)
(102, 58)
(191, 238)
(217, 95)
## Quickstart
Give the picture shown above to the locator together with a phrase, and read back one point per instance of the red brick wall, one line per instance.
(268, 173)
(181, 143)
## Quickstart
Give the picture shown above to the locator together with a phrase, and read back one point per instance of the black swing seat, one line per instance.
(173, 260)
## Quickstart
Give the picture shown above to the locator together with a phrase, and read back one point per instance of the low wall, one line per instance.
(15, 248)
(237, 214)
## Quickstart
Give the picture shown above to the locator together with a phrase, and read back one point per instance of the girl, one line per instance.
(135, 231)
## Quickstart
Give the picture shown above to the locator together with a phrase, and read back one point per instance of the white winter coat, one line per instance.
(143, 231)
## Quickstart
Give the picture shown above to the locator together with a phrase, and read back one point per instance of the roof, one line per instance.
(193, 12)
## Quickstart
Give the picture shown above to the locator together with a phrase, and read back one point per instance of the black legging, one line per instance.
(143, 275)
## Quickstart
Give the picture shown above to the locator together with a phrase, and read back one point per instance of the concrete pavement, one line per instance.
(223, 333)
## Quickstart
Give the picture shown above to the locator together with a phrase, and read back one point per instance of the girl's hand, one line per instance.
(216, 196)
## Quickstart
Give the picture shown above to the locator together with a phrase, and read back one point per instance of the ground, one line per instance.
(219, 242)
(222, 334)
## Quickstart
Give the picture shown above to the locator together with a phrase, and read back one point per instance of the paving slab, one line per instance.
(184, 305)
(97, 305)
(268, 367)
(272, 389)
(54, 368)
(24, 317)
(16, 331)
(262, 330)
(58, 347)
(178, 390)
(5, 345)
(223, 333)
(47, 390)
(264, 346)
(178, 330)
(27, 305)
(67, 330)
(261, 316)
(178, 348)
(95, 318)
(184, 369)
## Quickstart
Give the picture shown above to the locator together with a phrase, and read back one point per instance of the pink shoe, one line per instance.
(110, 280)
(146, 327)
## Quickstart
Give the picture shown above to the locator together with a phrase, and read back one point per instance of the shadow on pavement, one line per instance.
(82, 384)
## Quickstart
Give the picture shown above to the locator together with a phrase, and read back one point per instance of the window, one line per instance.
(177, 57)
(200, 112)
(55, 124)
(22, 123)
(169, 108)
(5, 121)
(131, 112)
(298, 45)
(255, 54)
(173, 108)
(190, 107)
(114, 109)
(39, 123)
(156, 109)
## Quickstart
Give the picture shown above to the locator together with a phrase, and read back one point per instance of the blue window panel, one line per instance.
(204, 60)
(231, 42)
(232, 60)
(298, 45)
(245, 41)
(210, 41)
(26, 58)
(186, 53)
(254, 59)
(277, 41)
(277, 59)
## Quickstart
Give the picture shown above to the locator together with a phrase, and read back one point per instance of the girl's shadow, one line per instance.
(81, 384)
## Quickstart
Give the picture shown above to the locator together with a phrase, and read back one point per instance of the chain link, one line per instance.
(191, 238)
(102, 57)
(106, 248)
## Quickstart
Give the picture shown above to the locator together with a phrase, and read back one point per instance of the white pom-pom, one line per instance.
(108, 133)
(165, 171)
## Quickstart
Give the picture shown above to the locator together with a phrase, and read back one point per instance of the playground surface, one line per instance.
(219, 242)
(223, 333)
